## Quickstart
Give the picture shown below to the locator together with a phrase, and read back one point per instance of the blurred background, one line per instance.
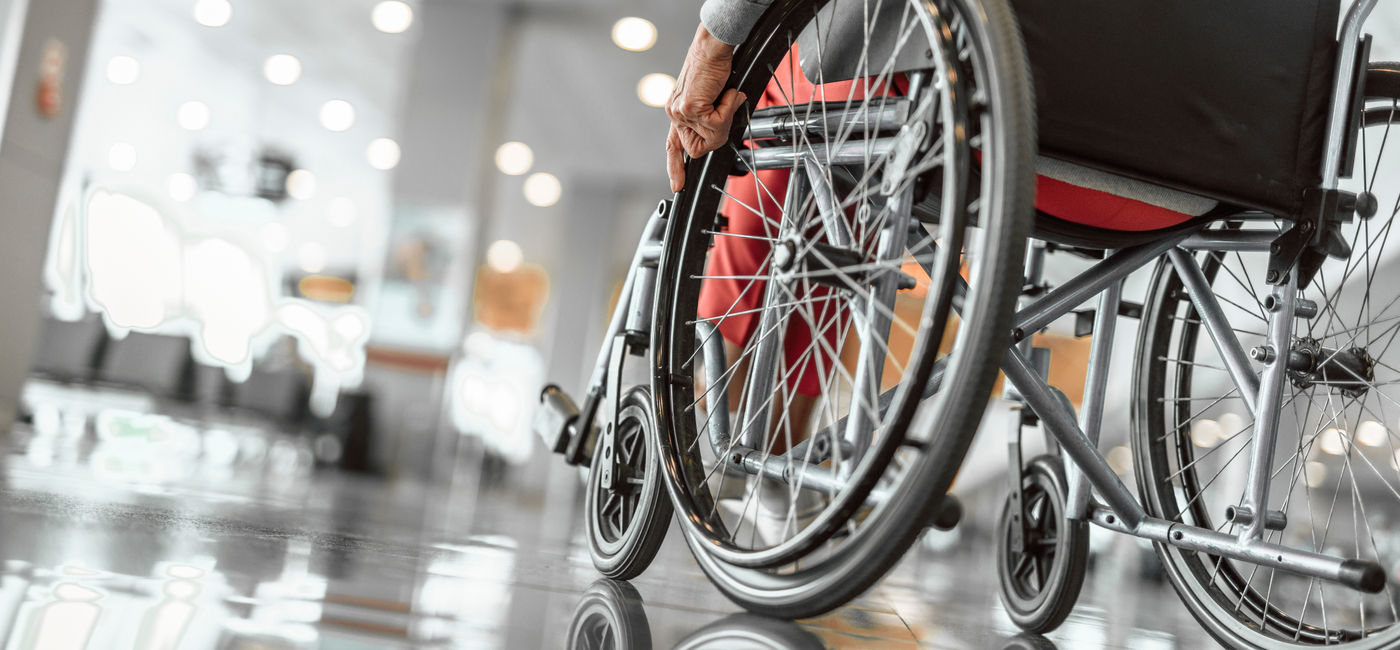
(340, 224)
(281, 282)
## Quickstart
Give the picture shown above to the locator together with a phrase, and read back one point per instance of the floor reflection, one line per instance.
(612, 616)
(255, 556)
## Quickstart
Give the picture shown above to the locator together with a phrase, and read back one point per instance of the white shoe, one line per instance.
(772, 515)
(783, 512)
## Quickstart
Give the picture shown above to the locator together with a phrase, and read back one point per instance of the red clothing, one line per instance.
(756, 198)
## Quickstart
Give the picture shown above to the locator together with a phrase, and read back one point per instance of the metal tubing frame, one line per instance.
(1348, 40)
(846, 153)
(1244, 241)
(1086, 285)
(1125, 515)
(1217, 326)
(866, 119)
(648, 252)
(716, 366)
(1194, 538)
(757, 407)
(875, 326)
(1060, 422)
(1095, 385)
(1123, 512)
(1266, 415)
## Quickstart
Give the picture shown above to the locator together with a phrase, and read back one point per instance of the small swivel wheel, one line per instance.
(1041, 555)
(627, 510)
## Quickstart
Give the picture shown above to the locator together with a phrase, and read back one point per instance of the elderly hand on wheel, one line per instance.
(698, 124)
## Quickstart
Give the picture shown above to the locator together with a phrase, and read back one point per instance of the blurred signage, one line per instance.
(420, 304)
(50, 92)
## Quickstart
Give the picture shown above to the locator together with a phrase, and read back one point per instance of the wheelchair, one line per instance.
(822, 313)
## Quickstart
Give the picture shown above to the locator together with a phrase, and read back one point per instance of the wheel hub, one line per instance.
(1350, 370)
(785, 256)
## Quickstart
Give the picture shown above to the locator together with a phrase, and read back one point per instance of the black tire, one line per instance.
(1180, 429)
(625, 527)
(1039, 589)
(832, 574)
(609, 616)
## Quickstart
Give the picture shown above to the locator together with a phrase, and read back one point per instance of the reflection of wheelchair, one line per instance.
(611, 616)
(884, 192)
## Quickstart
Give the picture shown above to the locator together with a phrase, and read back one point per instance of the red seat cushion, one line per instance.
(1091, 207)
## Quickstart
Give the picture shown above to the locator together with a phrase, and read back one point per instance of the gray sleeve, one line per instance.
(731, 20)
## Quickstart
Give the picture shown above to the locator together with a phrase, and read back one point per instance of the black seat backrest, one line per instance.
(1222, 99)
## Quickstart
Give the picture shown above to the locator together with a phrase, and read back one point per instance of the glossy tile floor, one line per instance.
(96, 557)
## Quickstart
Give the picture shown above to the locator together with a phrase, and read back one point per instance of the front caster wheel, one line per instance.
(1040, 577)
(626, 513)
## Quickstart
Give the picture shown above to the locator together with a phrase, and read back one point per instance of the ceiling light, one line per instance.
(1314, 473)
(542, 189)
(341, 211)
(655, 89)
(514, 158)
(312, 257)
(123, 70)
(301, 184)
(1371, 433)
(213, 13)
(182, 187)
(383, 154)
(391, 16)
(337, 115)
(122, 157)
(1334, 441)
(282, 69)
(274, 237)
(193, 116)
(1206, 432)
(1120, 458)
(634, 34)
(1233, 424)
(504, 256)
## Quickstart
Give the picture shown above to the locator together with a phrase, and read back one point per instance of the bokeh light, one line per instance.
(383, 154)
(123, 70)
(392, 16)
(337, 115)
(213, 13)
(504, 256)
(301, 184)
(655, 89)
(514, 158)
(542, 189)
(634, 34)
(282, 69)
(193, 116)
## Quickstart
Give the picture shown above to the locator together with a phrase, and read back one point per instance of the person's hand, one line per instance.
(698, 124)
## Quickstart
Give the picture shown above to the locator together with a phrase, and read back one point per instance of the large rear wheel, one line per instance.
(1336, 466)
(882, 196)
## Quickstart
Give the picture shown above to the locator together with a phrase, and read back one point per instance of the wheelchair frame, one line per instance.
(1085, 466)
(1077, 435)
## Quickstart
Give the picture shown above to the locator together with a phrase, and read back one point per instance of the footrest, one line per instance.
(554, 420)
